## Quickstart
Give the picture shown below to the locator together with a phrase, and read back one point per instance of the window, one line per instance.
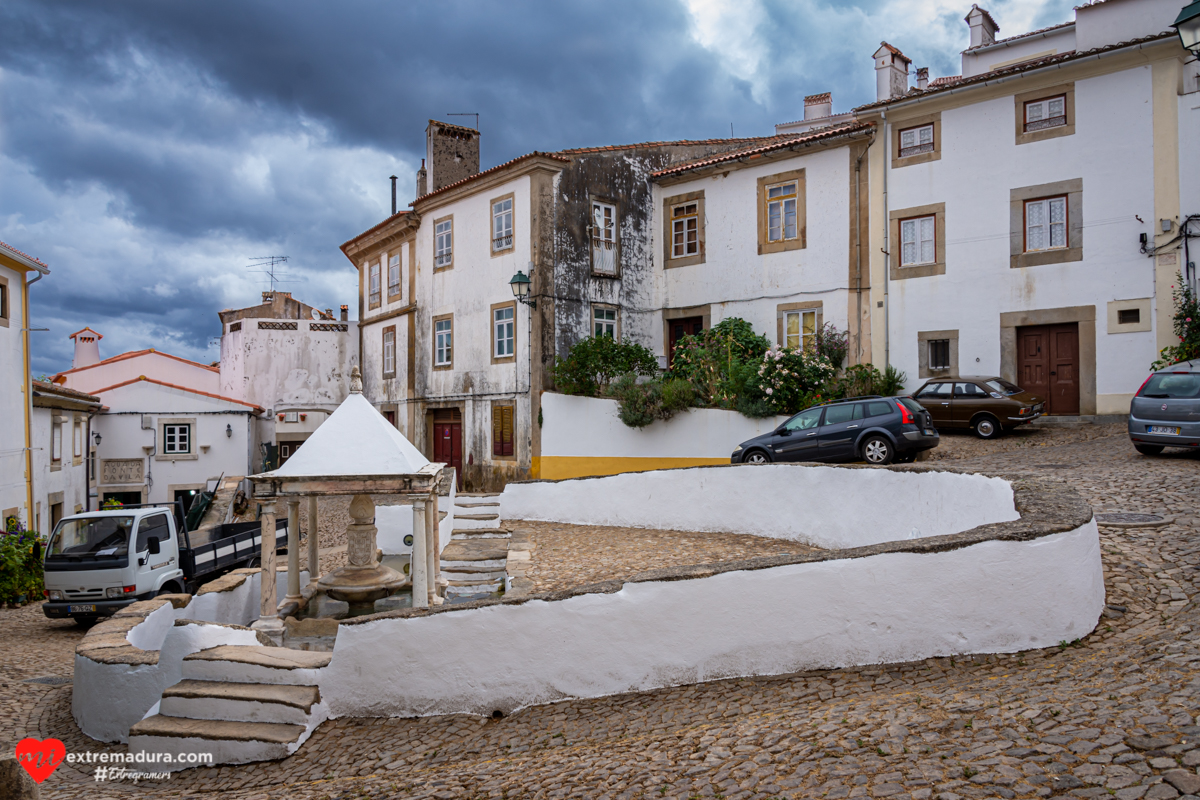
(502, 224)
(879, 409)
(77, 439)
(151, 528)
(443, 351)
(1050, 112)
(1129, 316)
(394, 275)
(443, 243)
(604, 238)
(177, 439)
(969, 390)
(939, 353)
(502, 332)
(938, 390)
(373, 271)
(1045, 224)
(805, 420)
(55, 439)
(604, 321)
(781, 212)
(800, 330)
(389, 352)
(685, 230)
(917, 241)
(915, 141)
(502, 431)
(843, 412)
(4, 316)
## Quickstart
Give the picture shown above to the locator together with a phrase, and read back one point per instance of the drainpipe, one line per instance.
(28, 382)
(887, 263)
(858, 250)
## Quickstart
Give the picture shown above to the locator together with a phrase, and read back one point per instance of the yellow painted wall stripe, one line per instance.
(556, 468)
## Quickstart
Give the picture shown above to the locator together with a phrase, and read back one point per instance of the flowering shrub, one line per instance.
(1186, 325)
(20, 564)
(788, 381)
(712, 360)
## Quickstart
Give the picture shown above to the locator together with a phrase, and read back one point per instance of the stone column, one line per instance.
(269, 601)
(293, 540)
(433, 547)
(418, 564)
(314, 563)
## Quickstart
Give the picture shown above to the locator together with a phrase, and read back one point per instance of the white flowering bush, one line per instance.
(788, 381)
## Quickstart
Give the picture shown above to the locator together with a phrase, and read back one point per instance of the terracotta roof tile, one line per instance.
(1021, 36)
(814, 99)
(82, 330)
(895, 51)
(945, 80)
(54, 388)
(144, 379)
(478, 175)
(776, 143)
(676, 143)
(135, 354)
(24, 255)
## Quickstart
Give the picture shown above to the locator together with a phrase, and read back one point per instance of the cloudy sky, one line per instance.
(149, 150)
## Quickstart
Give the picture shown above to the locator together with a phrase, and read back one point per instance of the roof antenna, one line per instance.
(466, 114)
(272, 267)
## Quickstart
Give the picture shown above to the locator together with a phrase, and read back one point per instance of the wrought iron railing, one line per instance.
(916, 149)
(1048, 122)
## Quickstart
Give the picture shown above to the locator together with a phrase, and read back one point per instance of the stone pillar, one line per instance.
(314, 563)
(293, 540)
(432, 549)
(269, 601)
(418, 564)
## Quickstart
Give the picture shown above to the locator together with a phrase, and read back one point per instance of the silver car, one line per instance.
(1166, 410)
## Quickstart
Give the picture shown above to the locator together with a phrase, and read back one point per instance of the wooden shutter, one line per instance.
(502, 430)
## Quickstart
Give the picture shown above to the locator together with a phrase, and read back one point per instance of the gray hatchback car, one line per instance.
(1166, 410)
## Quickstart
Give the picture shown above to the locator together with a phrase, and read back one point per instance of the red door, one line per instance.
(678, 328)
(447, 446)
(1048, 365)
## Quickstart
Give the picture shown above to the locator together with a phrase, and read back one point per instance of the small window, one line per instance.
(502, 225)
(177, 439)
(605, 322)
(373, 271)
(151, 528)
(55, 441)
(685, 230)
(781, 212)
(1129, 316)
(604, 238)
(443, 351)
(938, 390)
(393, 275)
(1045, 224)
(968, 390)
(805, 420)
(443, 248)
(800, 331)
(917, 242)
(502, 332)
(3, 300)
(939, 354)
(915, 141)
(389, 351)
(77, 439)
(1050, 112)
(502, 430)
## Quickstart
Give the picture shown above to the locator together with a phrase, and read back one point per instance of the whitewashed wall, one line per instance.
(288, 369)
(12, 402)
(70, 478)
(159, 366)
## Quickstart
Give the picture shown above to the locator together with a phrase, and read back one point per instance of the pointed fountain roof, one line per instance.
(356, 441)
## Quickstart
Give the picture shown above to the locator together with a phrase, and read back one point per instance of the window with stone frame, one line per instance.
(4, 316)
(502, 224)
(55, 439)
(685, 230)
(604, 321)
(1045, 224)
(604, 238)
(443, 342)
(389, 351)
(918, 241)
(1049, 112)
(373, 283)
(443, 243)
(393, 276)
(800, 330)
(914, 141)
(503, 338)
(939, 354)
(177, 439)
(781, 211)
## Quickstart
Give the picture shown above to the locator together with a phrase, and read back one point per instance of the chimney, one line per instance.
(328, 315)
(983, 27)
(87, 348)
(267, 297)
(393, 195)
(452, 152)
(422, 180)
(345, 313)
(891, 72)
(923, 78)
(818, 105)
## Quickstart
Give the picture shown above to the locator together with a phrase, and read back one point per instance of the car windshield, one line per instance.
(1003, 387)
(93, 537)
(1172, 384)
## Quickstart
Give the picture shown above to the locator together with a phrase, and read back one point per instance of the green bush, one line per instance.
(593, 363)
(20, 567)
(864, 379)
(1186, 323)
(711, 360)
(640, 403)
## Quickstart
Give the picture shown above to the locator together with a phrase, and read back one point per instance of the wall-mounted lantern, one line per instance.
(520, 284)
(228, 430)
(96, 437)
(1187, 25)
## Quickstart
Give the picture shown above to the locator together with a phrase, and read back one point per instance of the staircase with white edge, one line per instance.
(474, 561)
(238, 703)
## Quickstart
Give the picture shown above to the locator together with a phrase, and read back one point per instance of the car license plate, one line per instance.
(929, 432)
(81, 609)
(1163, 430)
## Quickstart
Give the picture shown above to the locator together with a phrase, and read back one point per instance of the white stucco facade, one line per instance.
(13, 400)
(63, 446)
(151, 363)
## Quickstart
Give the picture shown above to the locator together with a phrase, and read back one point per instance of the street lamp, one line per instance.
(96, 436)
(520, 286)
(1187, 25)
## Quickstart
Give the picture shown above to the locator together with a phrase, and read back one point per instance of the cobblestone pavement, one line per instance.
(956, 445)
(1112, 715)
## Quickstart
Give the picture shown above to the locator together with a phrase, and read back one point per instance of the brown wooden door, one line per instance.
(447, 446)
(678, 328)
(1048, 365)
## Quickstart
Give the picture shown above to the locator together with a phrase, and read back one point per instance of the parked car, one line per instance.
(1165, 412)
(878, 430)
(986, 405)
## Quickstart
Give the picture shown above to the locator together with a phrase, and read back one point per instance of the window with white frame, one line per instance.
(685, 230)
(502, 224)
(605, 321)
(55, 439)
(781, 212)
(373, 278)
(443, 245)
(604, 238)
(939, 353)
(389, 351)
(77, 438)
(915, 141)
(800, 330)
(502, 332)
(1049, 112)
(917, 242)
(393, 274)
(443, 350)
(1045, 224)
(177, 439)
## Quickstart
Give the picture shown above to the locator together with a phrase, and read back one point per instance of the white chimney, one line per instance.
(983, 27)
(87, 348)
(923, 78)
(817, 106)
(891, 72)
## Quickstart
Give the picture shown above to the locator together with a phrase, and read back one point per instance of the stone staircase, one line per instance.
(474, 562)
(240, 703)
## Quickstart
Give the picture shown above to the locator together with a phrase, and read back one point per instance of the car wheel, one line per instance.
(1148, 449)
(877, 450)
(756, 457)
(987, 428)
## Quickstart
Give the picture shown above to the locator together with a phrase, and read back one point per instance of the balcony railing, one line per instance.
(443, 260)
(502, 242)
(916, 149)
(1042, 124)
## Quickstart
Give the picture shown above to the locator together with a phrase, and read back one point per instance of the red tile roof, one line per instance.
(76, 333)
(776, 143)
(143, 378)
(494, 169)
(1022, 35)
(945, 80)
(135, 354)
(676, 143)
(54, 388)
(23, 255)
(813, 99)
(895, 51)
(372, 229)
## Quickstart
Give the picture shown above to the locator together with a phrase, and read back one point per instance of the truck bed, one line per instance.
(225, 547)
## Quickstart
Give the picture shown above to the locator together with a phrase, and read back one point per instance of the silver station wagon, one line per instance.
(1166, 410)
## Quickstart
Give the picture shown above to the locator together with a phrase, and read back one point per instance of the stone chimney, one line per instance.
(983, 27)
(452, 153)
(422, 180)
(817, 106)
(345, 317)
(923, 78)
(891, 72)
(328, 313)
(87, 348)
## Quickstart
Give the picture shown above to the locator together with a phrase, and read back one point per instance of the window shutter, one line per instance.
(507, 432)
(497, 430)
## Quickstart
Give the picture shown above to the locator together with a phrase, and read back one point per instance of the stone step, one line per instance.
(475, 550)
(491, 565)
(475, 494)
(226, 742)
(477, 520)
(254, 664)
(481, 533)
(239, 702)
(465, 577)
(477, 504)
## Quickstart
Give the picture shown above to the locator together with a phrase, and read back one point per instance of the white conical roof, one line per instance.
(356, 440)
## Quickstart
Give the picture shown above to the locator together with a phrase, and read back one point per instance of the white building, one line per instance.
(16, 408)
(89, 373)
(64, 466)
(1016, 208)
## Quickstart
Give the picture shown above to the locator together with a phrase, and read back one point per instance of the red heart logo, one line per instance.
(40, 757)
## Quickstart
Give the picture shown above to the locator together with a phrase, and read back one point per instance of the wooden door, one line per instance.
(447, 445)
(1048, 365)
(678, 328)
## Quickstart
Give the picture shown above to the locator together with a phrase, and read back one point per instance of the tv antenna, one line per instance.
(466, 114)
(271, 266)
